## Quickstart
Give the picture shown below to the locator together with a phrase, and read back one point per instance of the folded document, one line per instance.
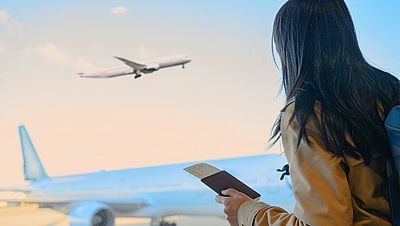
(219, 180)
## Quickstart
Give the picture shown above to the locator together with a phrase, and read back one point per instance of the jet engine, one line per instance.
(91, 213)
(151, 68)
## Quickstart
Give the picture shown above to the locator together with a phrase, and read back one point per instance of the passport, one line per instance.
(219, 180)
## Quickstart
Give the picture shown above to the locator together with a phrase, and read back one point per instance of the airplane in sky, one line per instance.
(138, 69)
(156, 192)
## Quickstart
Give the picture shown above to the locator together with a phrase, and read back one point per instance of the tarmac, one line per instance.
(31, 215)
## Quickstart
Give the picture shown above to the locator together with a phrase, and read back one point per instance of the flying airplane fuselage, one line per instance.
(138, 68)
(171, 61)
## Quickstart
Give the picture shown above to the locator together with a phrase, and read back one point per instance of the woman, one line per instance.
(332, 126)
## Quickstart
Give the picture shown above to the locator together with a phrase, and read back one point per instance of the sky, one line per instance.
(223, 104)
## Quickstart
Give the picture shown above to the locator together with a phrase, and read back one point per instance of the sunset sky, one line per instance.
(223, 104)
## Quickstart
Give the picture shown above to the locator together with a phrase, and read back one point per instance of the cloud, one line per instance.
(119, 10)
(8, 22)
(52, 52)
(143, 53)
(2, 47)
(4, 18)
(55, 54)
(81, 64)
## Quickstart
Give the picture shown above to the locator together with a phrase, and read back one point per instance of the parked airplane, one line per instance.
(138, 68)
(95, 199)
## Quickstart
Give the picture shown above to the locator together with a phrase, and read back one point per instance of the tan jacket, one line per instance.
(323, 193)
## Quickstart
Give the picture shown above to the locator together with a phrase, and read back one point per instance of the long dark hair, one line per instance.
(321, 61)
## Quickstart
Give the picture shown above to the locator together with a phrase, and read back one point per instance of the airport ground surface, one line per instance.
(32, 216)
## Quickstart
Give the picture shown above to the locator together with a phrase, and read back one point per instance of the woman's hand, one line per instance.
(232, 204)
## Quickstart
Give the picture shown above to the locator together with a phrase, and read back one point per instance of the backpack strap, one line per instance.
(393, 191)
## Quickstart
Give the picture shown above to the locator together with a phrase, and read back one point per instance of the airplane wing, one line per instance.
(131, 64)
(23, 189)
(40, 202)
(132, 203)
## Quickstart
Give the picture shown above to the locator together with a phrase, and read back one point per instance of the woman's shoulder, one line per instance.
(289, 106)
(287, 115)
(287, 112)
(289, 121)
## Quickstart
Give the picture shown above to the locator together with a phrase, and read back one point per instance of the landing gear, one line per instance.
(137, 76)
(162, 222)
(183, 66)
(167, 224)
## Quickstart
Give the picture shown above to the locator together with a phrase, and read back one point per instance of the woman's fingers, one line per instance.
(233, 193)
(230, 194)
(220, 199)
(231, 202)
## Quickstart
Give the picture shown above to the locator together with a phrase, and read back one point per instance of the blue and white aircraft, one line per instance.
(156, 192)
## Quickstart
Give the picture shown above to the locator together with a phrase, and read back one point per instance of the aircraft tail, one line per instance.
(33, 168)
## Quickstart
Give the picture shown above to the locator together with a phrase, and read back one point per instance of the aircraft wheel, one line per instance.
(167, 224)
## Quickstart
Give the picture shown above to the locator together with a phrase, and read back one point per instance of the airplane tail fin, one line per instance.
(33, 168)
